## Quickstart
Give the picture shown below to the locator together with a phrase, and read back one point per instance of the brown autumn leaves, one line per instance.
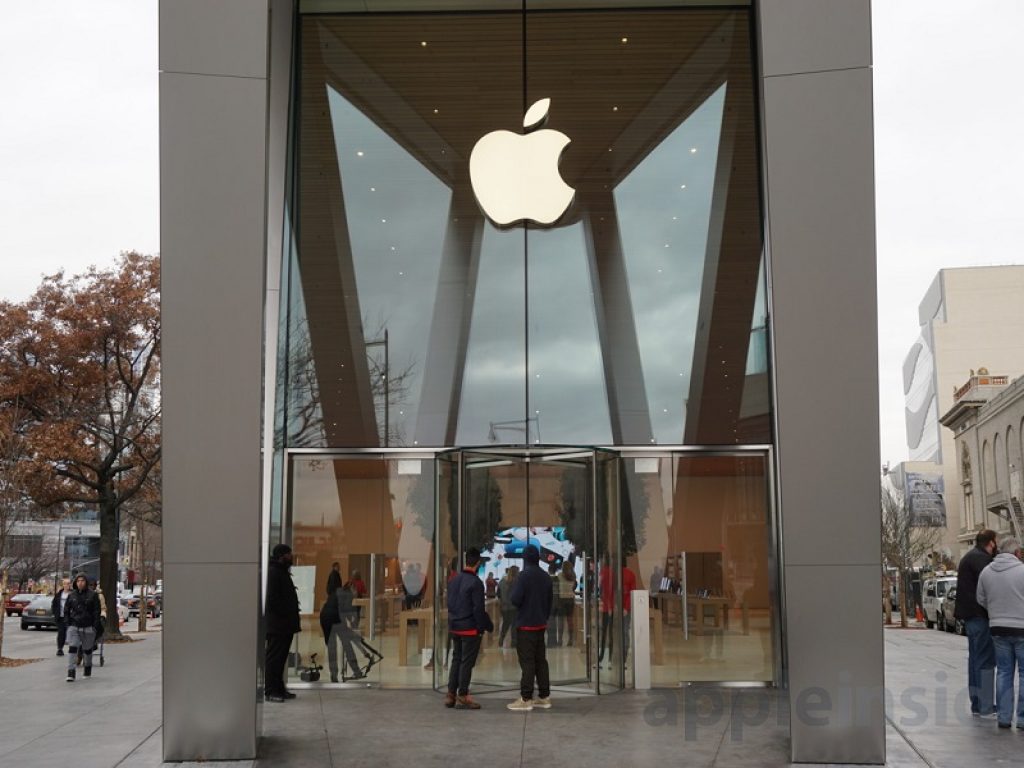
(80, 397)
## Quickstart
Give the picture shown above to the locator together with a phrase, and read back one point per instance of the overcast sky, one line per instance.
(79, 149)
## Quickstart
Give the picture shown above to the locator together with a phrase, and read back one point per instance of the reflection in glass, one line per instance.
(397, 212)
(703, 552)
(371, 521)
(493, 391)
(664, 209)
(567, 395)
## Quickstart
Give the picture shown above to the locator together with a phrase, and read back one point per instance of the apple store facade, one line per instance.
(594, 276)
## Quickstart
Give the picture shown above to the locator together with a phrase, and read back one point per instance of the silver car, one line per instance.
(38, 613)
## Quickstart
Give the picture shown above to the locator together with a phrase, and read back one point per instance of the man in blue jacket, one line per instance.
(531, 595)
(467, 622)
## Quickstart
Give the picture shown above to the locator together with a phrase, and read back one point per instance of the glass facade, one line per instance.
(594, 386)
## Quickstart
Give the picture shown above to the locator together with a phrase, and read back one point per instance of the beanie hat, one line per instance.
(280, 551)
(531, 554)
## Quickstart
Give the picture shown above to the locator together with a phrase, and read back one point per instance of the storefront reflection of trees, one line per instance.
(389, 386)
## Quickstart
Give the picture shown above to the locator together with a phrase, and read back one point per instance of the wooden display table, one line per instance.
(719, 612)
(424, 618)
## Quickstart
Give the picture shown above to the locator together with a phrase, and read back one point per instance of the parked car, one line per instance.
(15, 604)
(152, 606)
(947, 620)
(935, 590)
(38, 613)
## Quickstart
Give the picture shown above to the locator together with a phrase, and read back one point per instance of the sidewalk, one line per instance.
(44, 721)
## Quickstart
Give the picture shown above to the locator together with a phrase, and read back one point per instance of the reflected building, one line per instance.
(607, 382)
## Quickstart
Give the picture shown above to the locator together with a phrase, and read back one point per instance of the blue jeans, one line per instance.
(981, 663)
(1009, 654)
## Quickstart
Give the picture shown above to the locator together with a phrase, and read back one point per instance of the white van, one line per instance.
(935, 590)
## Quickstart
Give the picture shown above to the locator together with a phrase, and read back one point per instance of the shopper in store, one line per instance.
(532, 596)
(565, 594)
(508, 610)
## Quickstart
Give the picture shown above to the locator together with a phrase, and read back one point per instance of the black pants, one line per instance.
(607, 633)
(465, 649)
(533, 660)
(277, 657)
(62, 634)
(508, 621)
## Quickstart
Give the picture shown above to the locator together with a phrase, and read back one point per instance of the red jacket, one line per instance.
(608, 589)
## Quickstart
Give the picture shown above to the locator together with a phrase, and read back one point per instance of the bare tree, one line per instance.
(299, 410)
(904, 544)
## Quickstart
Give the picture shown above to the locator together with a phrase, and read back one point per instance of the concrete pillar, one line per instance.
(819, 176)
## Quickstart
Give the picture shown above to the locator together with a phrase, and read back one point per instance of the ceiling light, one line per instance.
(693, 150)
(423, 44)
(360, 153)
(682, 186)
(625, 40)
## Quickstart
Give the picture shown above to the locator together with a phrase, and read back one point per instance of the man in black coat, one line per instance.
(531, 595)
(82, 614)
(282, 617)
(467, 622)
(981, 653)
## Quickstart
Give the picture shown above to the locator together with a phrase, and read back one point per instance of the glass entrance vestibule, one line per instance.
(691, 528)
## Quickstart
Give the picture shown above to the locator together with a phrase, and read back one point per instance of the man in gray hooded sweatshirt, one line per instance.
(1001, 593)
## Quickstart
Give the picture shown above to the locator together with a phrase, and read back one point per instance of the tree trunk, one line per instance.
(108, 565)
(3, 601)
(903, 597)
(886, 601)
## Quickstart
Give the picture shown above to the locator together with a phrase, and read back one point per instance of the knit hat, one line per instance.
(531, 554)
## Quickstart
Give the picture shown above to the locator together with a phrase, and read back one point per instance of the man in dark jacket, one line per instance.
(531, 595)
(82, 614)
(282, 617)
(467, 622)
(981, 655)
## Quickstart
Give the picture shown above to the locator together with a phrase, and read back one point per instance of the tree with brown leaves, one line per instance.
(82, 357)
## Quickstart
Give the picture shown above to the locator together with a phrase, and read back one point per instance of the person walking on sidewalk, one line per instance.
(467, 622)
(1001, 593)
(82, 614)
(531, 596)
(282, 615)
(57, 606)
(981, 655)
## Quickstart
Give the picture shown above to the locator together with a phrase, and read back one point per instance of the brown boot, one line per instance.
(449, 699)
(465, 702)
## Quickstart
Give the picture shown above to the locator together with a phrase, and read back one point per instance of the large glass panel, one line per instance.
(701, 528)
(514, 499)
(366, 526)
(640, 298)
(402, 295)
(635, 317)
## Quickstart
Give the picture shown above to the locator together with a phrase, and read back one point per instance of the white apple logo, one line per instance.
(515, 176)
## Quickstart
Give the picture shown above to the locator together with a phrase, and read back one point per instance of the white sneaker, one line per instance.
(521, 705)
(542, 703)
